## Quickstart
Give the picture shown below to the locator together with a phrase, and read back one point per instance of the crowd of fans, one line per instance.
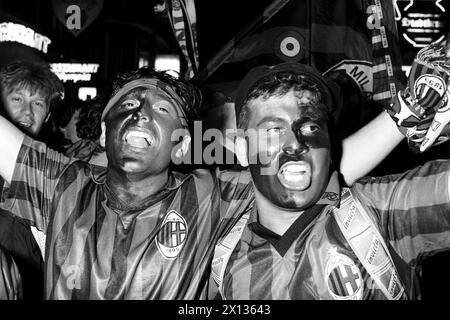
(70, 219)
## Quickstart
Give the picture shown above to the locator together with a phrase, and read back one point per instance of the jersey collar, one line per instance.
(332, 194)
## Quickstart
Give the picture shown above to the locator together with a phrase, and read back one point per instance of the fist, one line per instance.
(422, 110)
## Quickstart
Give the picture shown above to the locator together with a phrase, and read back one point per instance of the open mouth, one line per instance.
(25, 124)
(139, 138)
(295, 175)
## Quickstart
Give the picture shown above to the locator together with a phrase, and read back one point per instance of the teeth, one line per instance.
(25, 124)
(296, 175)
(139, 134)
(294, 168)
(293, 177)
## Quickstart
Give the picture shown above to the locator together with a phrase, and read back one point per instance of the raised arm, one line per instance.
(367, 147)
(11, 140)
(421, 112)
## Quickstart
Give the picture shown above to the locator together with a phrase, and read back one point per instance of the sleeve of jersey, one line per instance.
(35, 176)
(412, 209)
(236, 192)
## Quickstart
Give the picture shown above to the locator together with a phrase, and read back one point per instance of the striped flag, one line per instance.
(183, 20)
(357, 36)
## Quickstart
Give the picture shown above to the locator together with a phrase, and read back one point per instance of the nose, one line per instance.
(27, 109)
(293, 145)
(142, 114)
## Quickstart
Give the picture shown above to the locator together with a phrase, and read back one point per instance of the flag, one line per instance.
(183, 20)
(356, 36)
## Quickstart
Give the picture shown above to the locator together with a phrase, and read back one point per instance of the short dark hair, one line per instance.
(66, 109)
(279, 84)
(35, 76)
(188, 93)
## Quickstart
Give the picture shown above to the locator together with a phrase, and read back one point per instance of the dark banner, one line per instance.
(359, 37)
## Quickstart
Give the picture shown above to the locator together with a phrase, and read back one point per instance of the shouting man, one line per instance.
(309, 237)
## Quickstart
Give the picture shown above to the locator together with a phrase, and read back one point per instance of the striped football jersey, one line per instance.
(411, 211)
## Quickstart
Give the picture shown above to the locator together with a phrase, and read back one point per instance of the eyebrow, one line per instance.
(21, 92)
(173, 108)
(137, 95)
(130, 95)
(159, 98)
(268, 119)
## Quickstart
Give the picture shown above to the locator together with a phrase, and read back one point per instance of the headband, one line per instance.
(150, 84)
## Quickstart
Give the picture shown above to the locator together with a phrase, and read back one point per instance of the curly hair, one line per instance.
(188, 93)
(64, 112)
(34, 76)
(89, 120)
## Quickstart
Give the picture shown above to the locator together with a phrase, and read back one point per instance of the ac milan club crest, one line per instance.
(343, 277)
(429, 89)
(172, 235)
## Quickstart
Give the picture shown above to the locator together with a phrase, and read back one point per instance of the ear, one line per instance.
(103, 135)
(183, 146)
(241, 150)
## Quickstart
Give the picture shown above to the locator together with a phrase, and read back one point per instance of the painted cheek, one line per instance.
(315, 140)
(117, 119)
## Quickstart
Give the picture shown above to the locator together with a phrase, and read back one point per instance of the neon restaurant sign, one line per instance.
(14, 32)
(421, 22)
(74, 71)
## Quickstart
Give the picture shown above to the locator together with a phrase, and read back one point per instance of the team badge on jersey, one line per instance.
(343, 277)
(172, 235)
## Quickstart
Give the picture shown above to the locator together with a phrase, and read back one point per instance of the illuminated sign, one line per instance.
(169, 63)
(74, 71)
(87, 93)
(421, 22)
(14, 32)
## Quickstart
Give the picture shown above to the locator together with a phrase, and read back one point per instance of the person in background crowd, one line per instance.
(77, 130)
(29, 92)
(88, 129)
(64, 121)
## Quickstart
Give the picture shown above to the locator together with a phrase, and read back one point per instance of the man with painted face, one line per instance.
(29, 91)
(133, 230)
(307, 237)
